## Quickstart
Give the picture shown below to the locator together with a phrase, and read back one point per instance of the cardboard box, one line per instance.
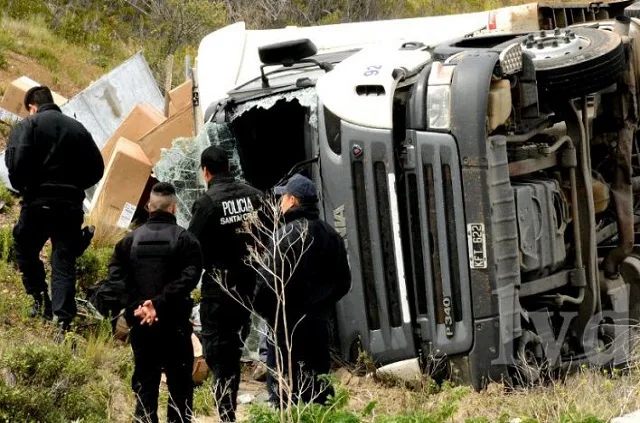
(178, 125)
(180, 97)
(125, 177)
(142, 119)
(13, 98)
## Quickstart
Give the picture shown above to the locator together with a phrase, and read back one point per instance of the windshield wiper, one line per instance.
(296, 168)
(279, 70)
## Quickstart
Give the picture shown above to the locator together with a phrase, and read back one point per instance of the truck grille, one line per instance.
(452, 229)
(386, 243)
(366, 257)
(439, 267)
(418, 253)
(380, 196)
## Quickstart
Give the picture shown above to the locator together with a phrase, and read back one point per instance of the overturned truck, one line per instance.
(485, 181)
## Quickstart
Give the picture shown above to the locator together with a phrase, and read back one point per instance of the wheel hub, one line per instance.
(552, 44)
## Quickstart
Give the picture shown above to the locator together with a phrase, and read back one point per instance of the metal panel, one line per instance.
(102, 106)
(359, 194)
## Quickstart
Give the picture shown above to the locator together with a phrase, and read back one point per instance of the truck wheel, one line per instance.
(575, 62)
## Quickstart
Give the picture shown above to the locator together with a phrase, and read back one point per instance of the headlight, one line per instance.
(439, 106)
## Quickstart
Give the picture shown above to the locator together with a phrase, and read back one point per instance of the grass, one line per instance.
(44, 56)
(92, 267)
(51, 57)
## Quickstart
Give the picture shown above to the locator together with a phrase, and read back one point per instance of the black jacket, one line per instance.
(52, 158)
(217, 221)
(167, 284)
(311, 261)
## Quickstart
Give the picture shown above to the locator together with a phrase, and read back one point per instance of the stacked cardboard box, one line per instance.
(125, 177)
(180, 97)
(162, 136)
(13, 98)
(132, 152)
(142, 119)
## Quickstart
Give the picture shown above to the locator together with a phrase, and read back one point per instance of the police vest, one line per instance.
(153, 262)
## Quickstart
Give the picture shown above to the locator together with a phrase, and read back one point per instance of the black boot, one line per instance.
(41, 307)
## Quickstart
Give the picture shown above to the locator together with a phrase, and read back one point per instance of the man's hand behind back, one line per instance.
(147, 313)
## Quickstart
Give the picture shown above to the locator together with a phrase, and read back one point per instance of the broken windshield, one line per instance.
(264, 138)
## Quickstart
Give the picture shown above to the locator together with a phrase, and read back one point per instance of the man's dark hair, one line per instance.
(215, 160)
(163, 189)
(163, 196)
(38, 96)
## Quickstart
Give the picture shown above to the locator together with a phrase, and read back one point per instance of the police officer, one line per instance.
(52, 159)
(159, 264)
(319, 279)
(217, 220)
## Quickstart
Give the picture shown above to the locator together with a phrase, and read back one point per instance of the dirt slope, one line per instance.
(29, 49)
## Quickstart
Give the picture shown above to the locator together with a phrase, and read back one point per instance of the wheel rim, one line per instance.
(550, 45)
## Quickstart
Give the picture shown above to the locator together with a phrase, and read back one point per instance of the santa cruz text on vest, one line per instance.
(236, 210)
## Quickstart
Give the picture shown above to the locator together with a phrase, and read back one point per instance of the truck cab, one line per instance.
(482, 180)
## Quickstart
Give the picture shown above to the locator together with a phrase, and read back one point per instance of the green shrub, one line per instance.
(6, 197)
(203, 400)
(7, 250)
(92, 266)
(44, 56)
(4, 64)
(575, 417)
(334, 412)
(47, 383)
(23, 9)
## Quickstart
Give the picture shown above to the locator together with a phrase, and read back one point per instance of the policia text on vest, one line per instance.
(237, 210)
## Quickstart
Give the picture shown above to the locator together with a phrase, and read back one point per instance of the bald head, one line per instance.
(163, 198)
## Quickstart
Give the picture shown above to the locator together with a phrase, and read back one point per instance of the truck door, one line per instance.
(359, 193)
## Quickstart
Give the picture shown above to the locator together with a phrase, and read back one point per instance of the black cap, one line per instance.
(215, 159)
(300, 187)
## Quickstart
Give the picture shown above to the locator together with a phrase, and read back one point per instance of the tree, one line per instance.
(274, 261)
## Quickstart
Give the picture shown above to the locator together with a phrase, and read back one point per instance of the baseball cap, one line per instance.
(300, 187)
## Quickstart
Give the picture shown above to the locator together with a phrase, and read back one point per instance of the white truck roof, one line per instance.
(228, 57)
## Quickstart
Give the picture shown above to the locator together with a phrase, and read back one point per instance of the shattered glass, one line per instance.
(307, 97)
(180, 165)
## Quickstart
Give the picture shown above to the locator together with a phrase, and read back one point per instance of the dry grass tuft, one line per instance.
(106, 234)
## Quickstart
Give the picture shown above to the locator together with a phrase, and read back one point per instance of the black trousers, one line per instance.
(222, 324)
(35, 226)
(157, 348)
(310, 356)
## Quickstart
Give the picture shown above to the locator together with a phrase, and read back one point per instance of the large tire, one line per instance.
(590, 61)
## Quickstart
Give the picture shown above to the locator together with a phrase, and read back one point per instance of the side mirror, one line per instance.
(287, 52)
